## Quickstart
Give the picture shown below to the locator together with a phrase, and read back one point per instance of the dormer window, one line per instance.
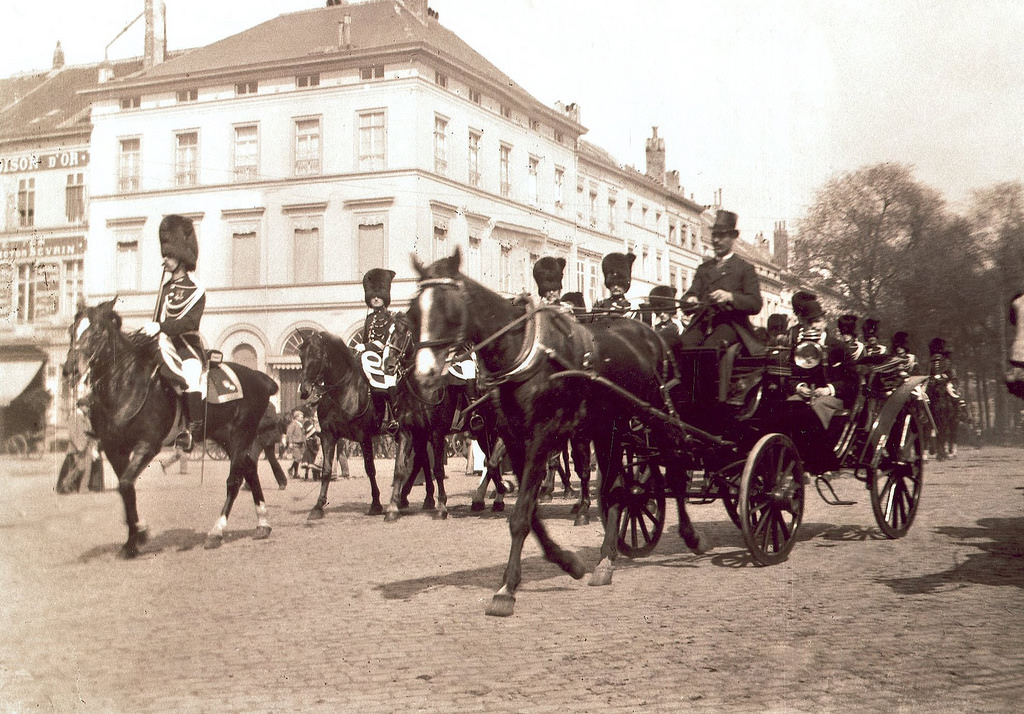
(304, 81)
(474, 96)
(374, 72)
(506, 111)
(131, 102)
(247, 88)
(441, 80)
(534, 125)
(187, 95)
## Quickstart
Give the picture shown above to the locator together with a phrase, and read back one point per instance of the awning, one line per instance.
(17, 374)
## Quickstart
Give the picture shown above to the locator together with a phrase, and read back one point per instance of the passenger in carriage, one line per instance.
(873, 347)
(378, 328)
(729, 287)
(778, 330)
(847, 325)
(617, 269)
(575, 301)
(547, 273)
(665, 311)
(901, 351)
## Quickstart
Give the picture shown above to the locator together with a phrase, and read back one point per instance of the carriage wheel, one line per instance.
(732, 507)
(17, 445)
(215, 451)
(896, 483)
(771, 498)
(639, 491)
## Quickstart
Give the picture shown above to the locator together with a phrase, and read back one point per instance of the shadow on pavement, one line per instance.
(999, 562)
(178, 540)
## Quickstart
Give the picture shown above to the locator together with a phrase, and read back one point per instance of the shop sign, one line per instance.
(44, 162)
(21, 249)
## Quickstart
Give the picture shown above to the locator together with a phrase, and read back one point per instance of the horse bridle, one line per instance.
(460, 336)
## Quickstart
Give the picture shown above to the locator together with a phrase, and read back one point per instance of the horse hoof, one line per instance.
(429, 505)
(700, 545)
(128, 551)
(142, 536)
(602, 574)
(316, 514)
(544, 498)
(262, 532)
(392, 516)
(574, 510)
(375, 509)
(213, 541)
(502, 605)
(582, 519)
(476, 506)
(441, 515)
(404, 503)
(498, 506)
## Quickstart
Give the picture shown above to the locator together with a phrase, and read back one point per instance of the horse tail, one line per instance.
(272, 386)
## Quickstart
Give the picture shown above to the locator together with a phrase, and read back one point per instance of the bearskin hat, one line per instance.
(869, 328)
(663, 297)
(377, 283)
(901, 339)
(547, 272)
(617, 269)
(806, 305)
(178, 240)
(777, 324)
(847, 325)
(938, 346)
(575, 299)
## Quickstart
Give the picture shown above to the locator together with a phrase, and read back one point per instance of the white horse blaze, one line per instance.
(426, 360)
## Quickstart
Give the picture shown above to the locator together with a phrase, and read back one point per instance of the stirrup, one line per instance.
(185, 441)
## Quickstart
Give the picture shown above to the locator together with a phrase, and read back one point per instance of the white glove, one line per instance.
(150, 329)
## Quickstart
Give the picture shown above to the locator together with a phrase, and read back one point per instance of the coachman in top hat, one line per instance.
(179, 309)
(728, 285)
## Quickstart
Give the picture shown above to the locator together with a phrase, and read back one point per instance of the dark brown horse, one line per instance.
(133, 411)
(945, 406)
(522, 351)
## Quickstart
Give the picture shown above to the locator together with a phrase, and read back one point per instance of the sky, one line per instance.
(765, 100)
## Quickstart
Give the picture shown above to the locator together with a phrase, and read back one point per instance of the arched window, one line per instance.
(291, 345)
(244, 354)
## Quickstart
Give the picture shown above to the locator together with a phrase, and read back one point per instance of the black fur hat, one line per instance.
(547, 272)
(869, 328)
(901, 339)
(777, 324)
(575, 299)
(178, 240)
(617, 269)
(806, 305)
(938, 346)
(377, 283)
(847, 325)
(663, 297)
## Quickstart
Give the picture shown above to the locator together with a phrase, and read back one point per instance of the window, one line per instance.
(611, 215)
(672, 232)
(593, 208)
(504, 169)
(307, 147)
(372, 140)
(439, 245)
(559, 185)
(374, 72)
(73, 287)
(474, 158)
(531, 180)
(474, 96)
(186, 158)
(247, 88)
(372, 250)
(187, 95)
(535, 124)
(441, 80)
(246, 152)
(440, 145)
(505, 269)
(506, 111)
(129, 165)
(245, 258)
(26, 202)
(74, 198)
(131, 102)
(127, 266)
(474, 261)
(245, 355)
(306, 252)
(307, 80)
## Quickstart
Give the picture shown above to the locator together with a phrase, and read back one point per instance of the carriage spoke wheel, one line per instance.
(639, 491)
(897, 481)
(771, 499)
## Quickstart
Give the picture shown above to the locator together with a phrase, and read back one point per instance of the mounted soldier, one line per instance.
(175, 324)
(940, 367)
(901, 350)
(729, 290)
(617, 269)
(378, 359)
(873, 347)
(848, 336)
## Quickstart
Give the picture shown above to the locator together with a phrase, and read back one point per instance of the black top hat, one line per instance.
(847, 324)
(575, 299)
(663, 297)
(901, 339)
(869, 328)
(938, 346)
(377, 283)
(617, 269)
(178, 240)
(777, 324)
(725, 222)
(806, 306)
(547, 272)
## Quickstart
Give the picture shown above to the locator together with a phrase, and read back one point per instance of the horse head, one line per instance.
(93, 333)
(438, 315)
(313, 357)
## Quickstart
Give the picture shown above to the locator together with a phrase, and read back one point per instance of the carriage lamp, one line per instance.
(807, 355)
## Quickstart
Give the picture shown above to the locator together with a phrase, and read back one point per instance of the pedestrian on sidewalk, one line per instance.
(296, 439)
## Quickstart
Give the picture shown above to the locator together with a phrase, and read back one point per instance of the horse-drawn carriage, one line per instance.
(739, 440)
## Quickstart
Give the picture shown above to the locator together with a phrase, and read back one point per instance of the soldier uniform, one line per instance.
(377, 330)
(666, 322)
(547, 273)
(901, 350)
(617, 269)
(873, 347)
(848, 336)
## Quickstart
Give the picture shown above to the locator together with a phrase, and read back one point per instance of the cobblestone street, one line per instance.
(353, 614)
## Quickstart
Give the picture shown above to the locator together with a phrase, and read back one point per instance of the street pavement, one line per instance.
(352, 614)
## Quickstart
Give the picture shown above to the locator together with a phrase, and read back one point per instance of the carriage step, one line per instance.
(828, 494)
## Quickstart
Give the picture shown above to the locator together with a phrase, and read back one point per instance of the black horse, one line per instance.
(344, 408)
(523, 351)
(133, 411)
(945, 407)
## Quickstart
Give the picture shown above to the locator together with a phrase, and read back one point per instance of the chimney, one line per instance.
(156, 41)
(656, 156)
(345, 33)
(780, 251)
(417, 8)
(571, 110)
(673, 182)
(58, 56)
(106, 73)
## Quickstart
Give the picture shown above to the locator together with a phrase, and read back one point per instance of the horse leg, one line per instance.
(327, 446)
(236, 475)
(548, 489)
(259, 501)
(606, 457)
(127, 471)
(423, 464)
(581, 461)
(405, 471)
(371, 473)
(439, 475)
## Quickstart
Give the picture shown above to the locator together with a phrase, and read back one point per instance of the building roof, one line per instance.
(40, 104)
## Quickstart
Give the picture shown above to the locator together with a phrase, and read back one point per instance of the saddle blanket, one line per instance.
(222, 385)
